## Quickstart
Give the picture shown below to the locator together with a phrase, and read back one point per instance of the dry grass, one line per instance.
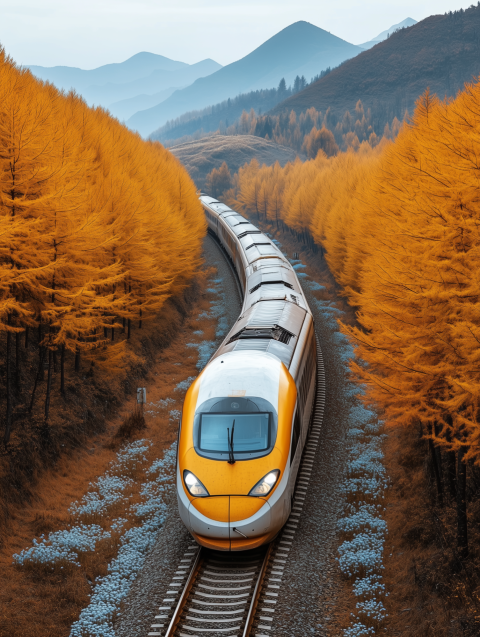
(202, 156)
(132, 425)
(39, 603)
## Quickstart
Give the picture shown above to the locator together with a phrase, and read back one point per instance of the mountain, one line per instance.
(126, 108)
(201, 156)
(441, 52)
(300, 49)
(408, 22)
(157, 81)
(141, 76)
(139, 65)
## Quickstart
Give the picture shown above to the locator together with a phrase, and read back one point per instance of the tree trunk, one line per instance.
(462, 536)
(452, 473)
(41, 350)
(438, 457)
(27, 329)
(17, 363)
(77, 360)
(451, 462)
(124, 322)
(8, 415)
(62, 371)
(105, 332)
(37, 377)
(436, 471)
(113, 334)
(49, 386)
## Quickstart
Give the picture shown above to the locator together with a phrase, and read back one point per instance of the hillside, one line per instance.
(300, 49)
(219, 116)
(66, 314)
(440, 52)
(200, 157)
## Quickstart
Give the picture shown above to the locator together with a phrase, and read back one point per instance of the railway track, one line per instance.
(234, 594)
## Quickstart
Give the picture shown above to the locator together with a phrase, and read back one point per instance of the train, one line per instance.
(245, 418)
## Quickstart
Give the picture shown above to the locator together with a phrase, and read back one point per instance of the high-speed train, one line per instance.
(246, 416)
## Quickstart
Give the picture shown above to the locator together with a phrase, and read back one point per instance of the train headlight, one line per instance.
(194, 486)
(266, 484)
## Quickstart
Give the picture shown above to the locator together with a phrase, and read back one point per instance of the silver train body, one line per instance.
(269, 358)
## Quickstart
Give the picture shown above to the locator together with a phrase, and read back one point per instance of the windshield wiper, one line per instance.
(231, 457)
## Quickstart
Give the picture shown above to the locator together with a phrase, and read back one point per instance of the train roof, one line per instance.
(274, 307)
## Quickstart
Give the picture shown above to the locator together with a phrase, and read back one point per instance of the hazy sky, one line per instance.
(89, 33)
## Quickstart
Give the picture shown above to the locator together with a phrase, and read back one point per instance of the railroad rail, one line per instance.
(215, 593)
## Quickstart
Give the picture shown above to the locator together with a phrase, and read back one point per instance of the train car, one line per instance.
(245, 418)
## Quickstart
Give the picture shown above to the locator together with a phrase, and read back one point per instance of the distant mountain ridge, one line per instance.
(141, 76)
(408, 22)
(158, 80)
(300, 49)
(123, 109)
(139, 65)
(441, 52)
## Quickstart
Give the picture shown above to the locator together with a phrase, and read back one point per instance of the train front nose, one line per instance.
(230, 522)
(209, 517)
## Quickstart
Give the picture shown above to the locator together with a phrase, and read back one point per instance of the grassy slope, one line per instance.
(201, 156)
(91, 400)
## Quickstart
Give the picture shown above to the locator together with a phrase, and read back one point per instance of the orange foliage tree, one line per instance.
(97, 228)
(399, 223)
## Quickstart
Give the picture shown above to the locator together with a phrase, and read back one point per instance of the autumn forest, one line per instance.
(114, 286)
(397, 223)
(93, 237)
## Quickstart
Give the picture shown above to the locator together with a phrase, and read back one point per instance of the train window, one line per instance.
(254, 433)
(247, 432)
(295, 435)
(308, 372)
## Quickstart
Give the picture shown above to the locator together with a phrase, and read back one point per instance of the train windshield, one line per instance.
(246, 427)
(246, 432)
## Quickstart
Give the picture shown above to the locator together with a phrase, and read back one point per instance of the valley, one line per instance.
(239, 385)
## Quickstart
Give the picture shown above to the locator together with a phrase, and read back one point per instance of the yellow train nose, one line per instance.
(215, 508)
(230, 522)
(227, 508)
(243, 507)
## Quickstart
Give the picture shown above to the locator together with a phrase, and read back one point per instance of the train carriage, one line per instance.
(246, 416)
